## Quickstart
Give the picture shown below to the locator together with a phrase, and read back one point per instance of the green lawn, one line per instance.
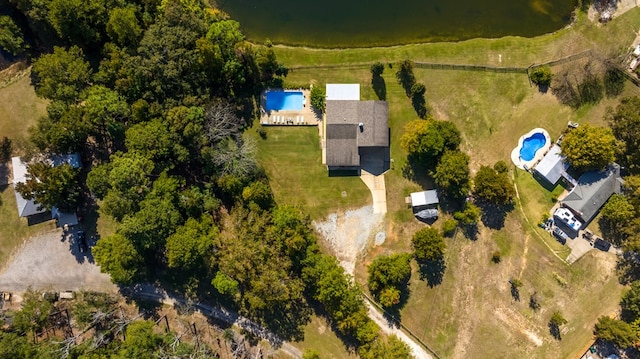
(292, 159)
(19, 109)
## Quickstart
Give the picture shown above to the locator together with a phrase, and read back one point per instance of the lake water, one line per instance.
(339, 23)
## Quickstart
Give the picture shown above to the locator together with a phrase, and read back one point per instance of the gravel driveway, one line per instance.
(52, 261)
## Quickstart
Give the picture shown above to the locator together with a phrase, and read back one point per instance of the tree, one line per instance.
(469, 216)
(11, 38)
(452, 174)
(81, 22)
(617, 215)
(492, 186)
(190, 248)
(123, 27)
(589, 148)
(630, 303)
(556, 321)
(259, 193)
(377, 69)
(394, 348)
(625, 123)
(405, 76)
(34, 313)
(51, 186)
(388, 276)
(428, 245)
(117, 256)
(426, 141)
(62, 75)
(616, 331)
(542, 76)
(318, 96)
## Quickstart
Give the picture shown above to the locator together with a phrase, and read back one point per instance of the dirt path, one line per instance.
(47, 262)
(418, 351)
(350, 233)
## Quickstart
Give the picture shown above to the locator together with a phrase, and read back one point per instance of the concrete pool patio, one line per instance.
(298, 117)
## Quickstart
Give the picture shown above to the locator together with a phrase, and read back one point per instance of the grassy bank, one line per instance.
(515, 51)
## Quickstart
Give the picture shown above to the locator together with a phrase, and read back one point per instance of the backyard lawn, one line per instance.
(292, 159)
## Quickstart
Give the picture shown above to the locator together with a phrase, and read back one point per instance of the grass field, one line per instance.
(472, 309)
(19, 109)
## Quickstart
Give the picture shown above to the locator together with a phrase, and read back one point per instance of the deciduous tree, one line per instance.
(589, 148)
(616, 331)
(625, 123)
(388, 276)
(118, 256)
(428, 245)
(62, 75)
(492, 186)
(51, 186)
(11, 37)
(452, 174)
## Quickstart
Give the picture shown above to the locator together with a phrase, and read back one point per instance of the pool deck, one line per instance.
(304, 117)
(528, 165)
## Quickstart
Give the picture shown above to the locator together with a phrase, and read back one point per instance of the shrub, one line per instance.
(495, 257)
(317, 97)
(542, 76)
(377, 69)
(449, 227)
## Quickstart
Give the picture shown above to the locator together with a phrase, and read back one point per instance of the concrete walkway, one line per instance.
(378, 190)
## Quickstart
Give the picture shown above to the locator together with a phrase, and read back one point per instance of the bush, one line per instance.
(377, 69)
(449, 227)
(495, 257)
(542, 76)
(318, 97)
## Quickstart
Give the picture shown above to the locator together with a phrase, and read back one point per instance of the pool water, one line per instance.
(531, 145)
(284, 101)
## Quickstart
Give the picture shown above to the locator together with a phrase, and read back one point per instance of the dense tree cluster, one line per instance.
(156, 96)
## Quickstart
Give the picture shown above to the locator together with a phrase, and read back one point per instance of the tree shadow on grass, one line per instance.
(432, 271)
(419, 105)
(493, 216)
(627, 268)
(554, 330)
(288, 323)
(379, 87)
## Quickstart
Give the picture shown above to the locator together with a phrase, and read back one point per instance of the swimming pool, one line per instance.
(531, 145)
(284, 100)
(531, 148)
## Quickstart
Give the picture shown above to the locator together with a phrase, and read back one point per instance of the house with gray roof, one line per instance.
(592, 191)
(27, 207)
(356, 133)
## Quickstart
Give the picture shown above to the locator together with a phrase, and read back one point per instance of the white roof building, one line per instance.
(552, 165)
(424, 198)
(343, 92)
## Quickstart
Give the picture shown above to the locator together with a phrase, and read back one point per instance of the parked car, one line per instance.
(560, 235)
(602, 245)
(82, 241)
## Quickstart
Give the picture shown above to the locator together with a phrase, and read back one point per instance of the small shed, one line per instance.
(424, 199)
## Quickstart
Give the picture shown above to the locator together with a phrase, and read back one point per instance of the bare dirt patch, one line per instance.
(350, 233)
(52, 262)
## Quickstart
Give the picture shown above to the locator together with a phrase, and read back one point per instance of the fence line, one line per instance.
(399, 323)
(465, 67)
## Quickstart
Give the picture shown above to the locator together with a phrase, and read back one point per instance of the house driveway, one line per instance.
(51, 261)
(378, 190)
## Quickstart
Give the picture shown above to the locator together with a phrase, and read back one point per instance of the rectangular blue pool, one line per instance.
(284, 101)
